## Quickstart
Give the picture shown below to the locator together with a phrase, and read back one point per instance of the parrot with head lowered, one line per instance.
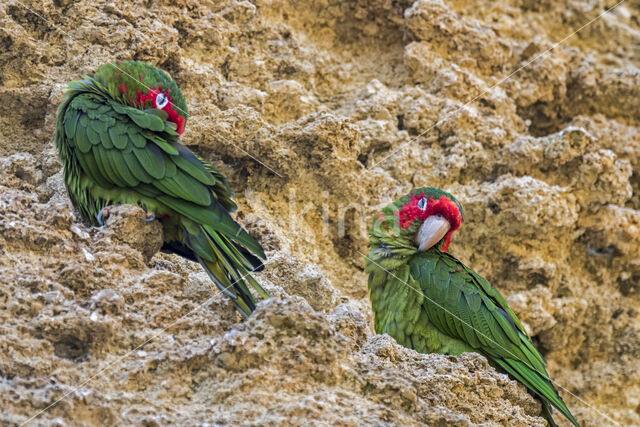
(429, 301)
(117, 135)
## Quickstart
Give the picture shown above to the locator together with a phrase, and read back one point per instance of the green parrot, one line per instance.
(117, 135)
(429, 301)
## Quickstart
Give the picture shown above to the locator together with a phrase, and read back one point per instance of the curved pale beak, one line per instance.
(432, 230)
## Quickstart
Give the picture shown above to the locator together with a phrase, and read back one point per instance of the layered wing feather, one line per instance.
(123, 147)
(463, 305)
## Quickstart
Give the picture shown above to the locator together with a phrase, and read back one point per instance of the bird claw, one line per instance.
(104, 214)
(150, 216)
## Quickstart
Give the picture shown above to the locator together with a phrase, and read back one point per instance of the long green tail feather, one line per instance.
(228, 268)
(243, 302)
(540, 386)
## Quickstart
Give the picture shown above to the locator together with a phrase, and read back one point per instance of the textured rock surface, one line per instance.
(322, 92)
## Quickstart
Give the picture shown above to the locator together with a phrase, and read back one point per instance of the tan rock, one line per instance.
(320, 113)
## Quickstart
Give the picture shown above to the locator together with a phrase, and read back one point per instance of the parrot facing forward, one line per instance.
(117, 138)
(429, 301)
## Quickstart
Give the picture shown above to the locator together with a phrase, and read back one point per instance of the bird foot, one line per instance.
(104, 214)
(150, 216)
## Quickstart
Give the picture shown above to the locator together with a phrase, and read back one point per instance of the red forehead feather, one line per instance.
(142, 99)
(410, 211)
(447, 208)
(444, 206)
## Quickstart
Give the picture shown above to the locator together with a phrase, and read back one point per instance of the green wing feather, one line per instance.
(463, 305)
(120, 154)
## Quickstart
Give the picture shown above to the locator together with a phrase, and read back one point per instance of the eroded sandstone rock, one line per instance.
(348, 104)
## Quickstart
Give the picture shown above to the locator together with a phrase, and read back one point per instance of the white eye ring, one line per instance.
(161, 100)
(422, 204)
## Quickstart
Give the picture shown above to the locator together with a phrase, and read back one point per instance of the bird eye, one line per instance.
(422, 204)
(161, 100)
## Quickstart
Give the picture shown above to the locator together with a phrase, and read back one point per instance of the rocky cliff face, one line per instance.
(320, 112)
